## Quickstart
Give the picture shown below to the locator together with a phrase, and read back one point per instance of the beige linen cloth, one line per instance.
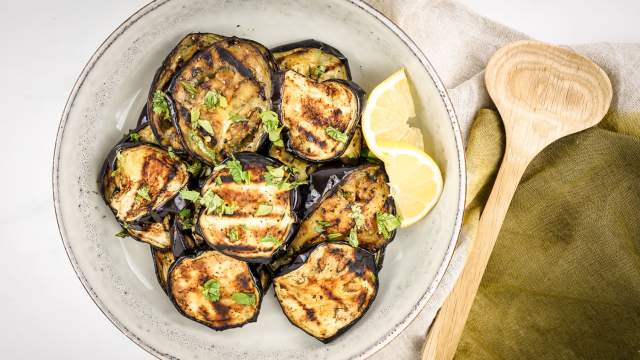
(564, 278)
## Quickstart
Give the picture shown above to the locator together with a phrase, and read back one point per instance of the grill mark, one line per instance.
(227, 57)
(222, 311)
(330, 295)
(309, 136)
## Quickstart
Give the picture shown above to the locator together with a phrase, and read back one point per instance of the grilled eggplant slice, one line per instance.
(301, 168)
(218, 104)
(314, 59)
(138, 179)
(154, 233)
(162, 261)
(328, 289)
(215, 290)
(251, 54)
(259, 216)
(159, 119)
(337, 198)
(321, 118)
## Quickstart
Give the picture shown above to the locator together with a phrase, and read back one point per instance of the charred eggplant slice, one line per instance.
(157, 103)
(215, 290)
(252, 56)
(162, 261)
(140, 178)
(327, 290)
(321, 118)
(314, 59)
(301, 168)
(218, 104)
(153, 233)
(252, 212)
(346, 200)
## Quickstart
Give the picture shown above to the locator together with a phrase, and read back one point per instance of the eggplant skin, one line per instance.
(302, 168)
(308, 108)
(328, 289)
(132, 169)
(186, 280)
(215, 69)
(187, 47)
(281, 222)
(306, 55)
(331, 209)
(162, 261)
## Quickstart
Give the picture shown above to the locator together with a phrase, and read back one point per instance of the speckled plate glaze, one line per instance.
(104, 103)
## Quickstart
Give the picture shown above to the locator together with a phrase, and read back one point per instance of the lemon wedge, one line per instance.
(414, 178)
(387, 113)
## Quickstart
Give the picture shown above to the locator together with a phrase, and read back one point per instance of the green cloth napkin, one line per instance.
(563, 281)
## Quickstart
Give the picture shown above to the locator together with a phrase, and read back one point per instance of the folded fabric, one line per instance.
(564, 278)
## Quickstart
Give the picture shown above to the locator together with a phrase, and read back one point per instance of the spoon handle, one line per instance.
(446, 330)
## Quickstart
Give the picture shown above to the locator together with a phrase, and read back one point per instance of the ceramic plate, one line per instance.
(105, 102)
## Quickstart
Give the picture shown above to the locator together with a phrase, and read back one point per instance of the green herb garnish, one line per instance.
(195, 117)
(264, 209)
(353, 237)
(244, 299)
(195, 167)
(334, 236)
(185, 213)
(318, 71)
(202, 146)
(270, 239)
(270, 123)
(190, 195)
(211, 290)
(357, 216)
(236, 118)
(172, 155)
(214, 99)
(206, 126)
(336, 134)
(160, 105)
(229, 209)
(212, 202)
(387, 223)
(185, 216)
(134, 136)
(143, 193)
(123, 233)
(232, 235)
(320, 225)
(274, 175)
(236, 171)
(218, 180)
(191, 89)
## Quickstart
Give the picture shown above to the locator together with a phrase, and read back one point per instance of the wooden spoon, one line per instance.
(543, 93)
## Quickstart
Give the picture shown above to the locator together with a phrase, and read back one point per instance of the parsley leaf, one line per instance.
(387, 223)
(195, 167)
(211, 290)
(211, 201)
(185, 213)
(357, 216)
(274, 175)
(190, 195)
(201, 145)
(270, 123)
(160, 105)
(232, 235)
(206, 126)
(320, 225)
(191, 89)
(244, 299)
(264, 209)
(143, 193)
(195, 117)
(218, 180)
(134, 136)
(270, 239)
(214, 99)
(185, 216)
(236, 171)
(353, 237)
(236, 118)
(123, 233)
(334, 236)
(172, 155)
(229, 209)
(336, 134)
(318, 71)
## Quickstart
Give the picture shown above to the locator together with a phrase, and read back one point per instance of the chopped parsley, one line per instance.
(270, 239)
(172, 154)
(264, 209)
(235, 169)
(159, 104)
(195, 118)
(320, 225)
(357, 216)
(206, 125)
(201, 145)
(214, 99)
(318, 71)
(387, 223)
(185, 213)
(277, 176)
(229, 209)
(218, 180)
(190, 195)
(271, 125)
(353, 237)
(191, 89)
(211, 290)
(334, 236)
(143, 193)
(336, 134)
(232, 235)
(134, 136)
(236, 118)
(244, 299)
(123, 233)
(212, 202)
(186, 220)
(195, 167)
(368, 156)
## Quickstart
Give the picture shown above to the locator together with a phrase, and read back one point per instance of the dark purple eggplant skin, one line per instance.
(296, 203)
(315, 44)
(365, 257)
(254, 276)
(360, 94)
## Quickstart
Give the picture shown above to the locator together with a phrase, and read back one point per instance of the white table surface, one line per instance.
(44, 311)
